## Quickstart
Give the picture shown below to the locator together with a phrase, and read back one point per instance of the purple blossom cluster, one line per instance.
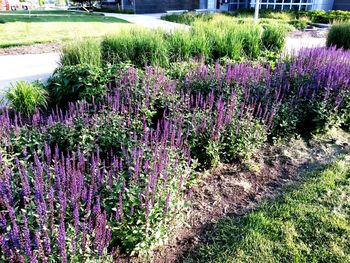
(66, 203)
(97, 178)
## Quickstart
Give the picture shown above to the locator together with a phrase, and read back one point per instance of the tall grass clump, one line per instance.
(139, 46)
(86, 51)
(222, 38)
(26, 97)
(188, 18)
(274, 38)
(180, 45)
(339, 36)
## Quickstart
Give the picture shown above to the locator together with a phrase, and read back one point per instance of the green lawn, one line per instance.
(24, 28)
(309, 223)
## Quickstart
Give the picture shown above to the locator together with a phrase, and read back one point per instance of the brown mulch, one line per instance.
(233, 190)
(31, 49)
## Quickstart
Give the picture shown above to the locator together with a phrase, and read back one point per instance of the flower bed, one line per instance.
(110, 177)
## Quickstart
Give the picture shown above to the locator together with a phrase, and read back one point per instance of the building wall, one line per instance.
(160, 6)
(341, 5)
(326, 5)
(237, 4)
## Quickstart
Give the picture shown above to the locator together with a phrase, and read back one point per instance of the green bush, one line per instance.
(242, 139)
(86, 51)
(318, 16)
(139, 46)
(26, 97)
(273, 38)
(71, 83)
(188, 18)
(299, 23)
(339, 36)
(339, 16)
(315, 16)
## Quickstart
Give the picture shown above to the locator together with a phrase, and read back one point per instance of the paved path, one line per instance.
(26, 67)
(295, 44)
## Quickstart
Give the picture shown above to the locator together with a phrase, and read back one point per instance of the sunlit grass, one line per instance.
(24, 30)
(309, 223)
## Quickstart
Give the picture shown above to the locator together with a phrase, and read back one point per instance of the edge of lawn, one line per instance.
(310, 222)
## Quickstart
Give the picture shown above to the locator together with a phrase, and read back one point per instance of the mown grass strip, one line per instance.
(310, 223)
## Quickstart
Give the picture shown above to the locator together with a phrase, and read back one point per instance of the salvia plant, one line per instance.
(102, 179)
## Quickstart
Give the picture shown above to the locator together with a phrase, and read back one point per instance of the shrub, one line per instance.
(299, 23)
(339, 16)
(339, 36)
(26, 97)
(71, 83)
(139, 46)
(86, 51)
(318, 16)
(188, 18)
(273, 38)
(241, 140)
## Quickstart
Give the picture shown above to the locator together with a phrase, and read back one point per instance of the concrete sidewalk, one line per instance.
(26, 67)
(295, 44)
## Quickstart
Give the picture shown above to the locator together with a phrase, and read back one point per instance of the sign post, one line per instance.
(256, 13)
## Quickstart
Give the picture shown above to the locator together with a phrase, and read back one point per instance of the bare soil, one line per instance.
(234, 189)
(31, 49)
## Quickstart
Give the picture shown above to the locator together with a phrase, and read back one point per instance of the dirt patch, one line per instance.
(233, 190)
(32, 49)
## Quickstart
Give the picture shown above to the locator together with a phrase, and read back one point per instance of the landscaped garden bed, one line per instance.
(108, 175)
(294, 18)
(229, 192)
(108, 160)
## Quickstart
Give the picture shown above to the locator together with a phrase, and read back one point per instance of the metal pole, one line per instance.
(256, 13)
